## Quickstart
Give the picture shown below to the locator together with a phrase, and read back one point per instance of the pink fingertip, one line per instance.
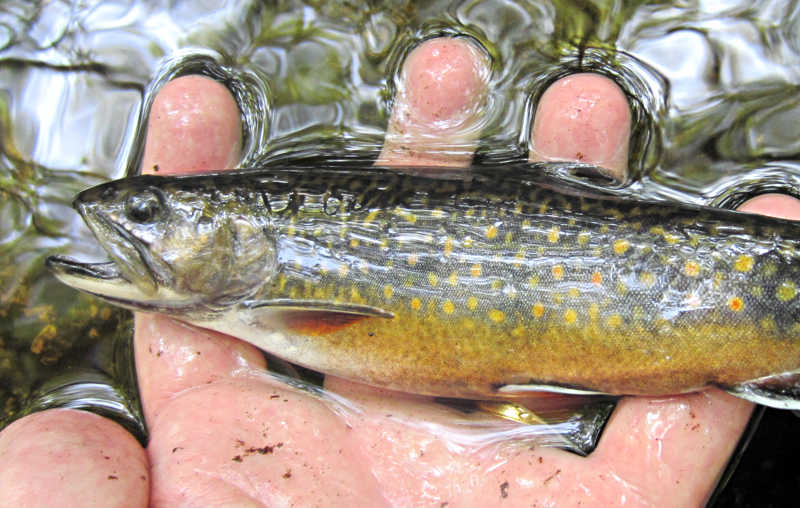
(774, 205)
(194, 126)
(583, 118)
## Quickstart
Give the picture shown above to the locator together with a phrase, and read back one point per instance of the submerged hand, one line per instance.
(221, 434)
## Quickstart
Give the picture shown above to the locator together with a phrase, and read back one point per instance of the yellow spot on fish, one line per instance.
(519, 257)
(291, 230)
(412, 259)
(614, 320)
(526, 223)
(497, 315)
(553, 234)
(757, 291)
(570, 316)
(670, 238)
(448, 246)
(621, 246)
(93, 310)
(574, 292)
(433, 279)
(518, 209)
(509, 237)
(343, 270)
(410, 217)
(476, 270)
(691, 268)
(355, 295)
(371, 216)
(735, 303)
(622, 288)
(597, 278)
(354, 243)
(604, 228)
(497, 284)
(744, 263)
(472, 303)
(491, 232)
(453, 279)
(384, 243)
(583, 237)
(470, 212)
(448, 307)
(786, 291)
(537, 309)
(647, 279)
(543, 209)
(533, 281)
(388, 291)
(468, 242)
(416, 304)
(594, 310)
(558, 272)
(282, 282)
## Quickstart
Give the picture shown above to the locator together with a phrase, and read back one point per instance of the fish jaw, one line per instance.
(125, 250)
(100, 279)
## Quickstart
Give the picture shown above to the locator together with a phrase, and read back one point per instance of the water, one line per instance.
(712, 85)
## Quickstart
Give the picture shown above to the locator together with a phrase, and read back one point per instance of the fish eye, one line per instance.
(144, 206)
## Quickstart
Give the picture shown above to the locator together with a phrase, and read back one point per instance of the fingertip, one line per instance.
(65, 457)
(774, 205)
(436, 114)
(194, 126)
(584, 118)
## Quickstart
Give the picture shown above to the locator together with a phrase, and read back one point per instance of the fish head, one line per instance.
(173, 245)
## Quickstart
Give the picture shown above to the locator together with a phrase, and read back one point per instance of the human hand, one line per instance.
(221, 433)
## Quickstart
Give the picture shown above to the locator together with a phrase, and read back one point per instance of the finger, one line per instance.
(584, 118)
(435, 118)
(220, 433)
(64, 457)
(437, 112)
(194, 126)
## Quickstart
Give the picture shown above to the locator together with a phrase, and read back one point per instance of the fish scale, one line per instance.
(489, 282)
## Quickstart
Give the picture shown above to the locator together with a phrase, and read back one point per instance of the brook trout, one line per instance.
(485, 284)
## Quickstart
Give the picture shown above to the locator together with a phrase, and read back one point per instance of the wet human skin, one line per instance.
(206, 400)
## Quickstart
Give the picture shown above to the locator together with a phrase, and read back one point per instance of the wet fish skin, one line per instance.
(472, 287)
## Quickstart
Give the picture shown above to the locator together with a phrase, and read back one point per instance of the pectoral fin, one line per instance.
(780, 391)
(315, 317)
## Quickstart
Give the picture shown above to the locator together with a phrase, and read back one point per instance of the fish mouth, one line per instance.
(101, 279)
